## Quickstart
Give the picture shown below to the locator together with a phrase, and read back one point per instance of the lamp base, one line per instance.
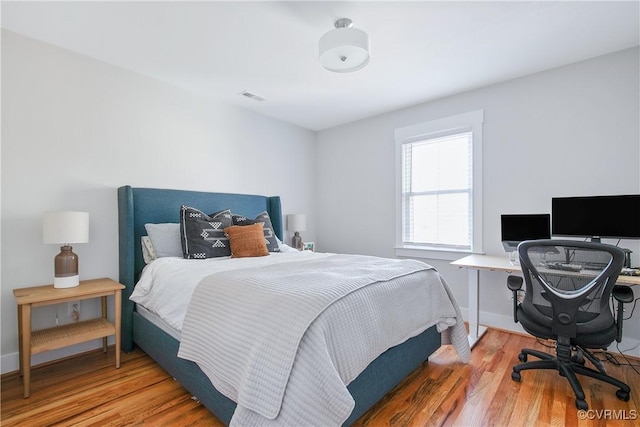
(296, 241)
(66, 282)
(66, 268)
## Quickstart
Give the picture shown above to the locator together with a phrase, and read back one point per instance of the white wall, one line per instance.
(74, 129)
(569, 131)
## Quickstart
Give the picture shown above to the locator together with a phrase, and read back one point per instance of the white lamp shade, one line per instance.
(296, 222)
(343, 50)
(65, 227)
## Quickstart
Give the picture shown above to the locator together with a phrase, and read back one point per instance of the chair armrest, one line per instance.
(515, 283)
(622, 294)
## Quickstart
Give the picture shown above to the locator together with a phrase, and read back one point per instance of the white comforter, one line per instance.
(166, 285)
(273, 380)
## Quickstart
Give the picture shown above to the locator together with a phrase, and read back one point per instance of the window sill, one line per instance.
(431, 253)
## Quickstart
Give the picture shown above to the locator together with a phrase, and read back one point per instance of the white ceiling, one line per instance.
(420, 50)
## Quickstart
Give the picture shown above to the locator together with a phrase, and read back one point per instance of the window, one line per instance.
(439, 187)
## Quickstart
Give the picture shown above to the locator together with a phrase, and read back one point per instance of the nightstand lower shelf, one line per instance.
(74, 333)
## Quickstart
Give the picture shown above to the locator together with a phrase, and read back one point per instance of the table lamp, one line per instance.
(64, 228)
(295, 224)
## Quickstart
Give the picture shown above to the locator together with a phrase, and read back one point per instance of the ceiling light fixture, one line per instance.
(345, 48)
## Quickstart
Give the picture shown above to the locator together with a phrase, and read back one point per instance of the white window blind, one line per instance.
(437, 191)
(439, 186)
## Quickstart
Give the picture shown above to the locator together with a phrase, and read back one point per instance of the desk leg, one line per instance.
(25, 347)
(475, 330)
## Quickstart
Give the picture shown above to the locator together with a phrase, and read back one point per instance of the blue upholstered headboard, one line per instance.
(139, 206)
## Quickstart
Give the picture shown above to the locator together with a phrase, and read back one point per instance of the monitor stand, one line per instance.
(514, 259)
(627, 257)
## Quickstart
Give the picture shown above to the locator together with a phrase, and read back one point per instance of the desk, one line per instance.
(475, 263)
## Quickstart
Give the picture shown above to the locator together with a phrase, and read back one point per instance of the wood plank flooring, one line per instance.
(88, 391)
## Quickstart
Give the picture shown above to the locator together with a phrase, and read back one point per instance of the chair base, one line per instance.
(568, 367)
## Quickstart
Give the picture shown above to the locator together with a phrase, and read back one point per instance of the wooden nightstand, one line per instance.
(33, 342)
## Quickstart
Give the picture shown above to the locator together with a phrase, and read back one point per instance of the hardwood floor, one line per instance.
(87, 390)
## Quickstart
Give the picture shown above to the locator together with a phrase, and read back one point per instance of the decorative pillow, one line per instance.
(269, 234)
(165, 239)
(148, 252)
(202, 235)
(247, 240)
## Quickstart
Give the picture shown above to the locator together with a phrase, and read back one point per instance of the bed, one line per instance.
(139, 206)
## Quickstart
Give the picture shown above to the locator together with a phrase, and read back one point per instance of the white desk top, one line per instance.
(498, 263)
(487, 262)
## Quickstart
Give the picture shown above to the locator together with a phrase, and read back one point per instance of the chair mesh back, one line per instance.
(569, 284)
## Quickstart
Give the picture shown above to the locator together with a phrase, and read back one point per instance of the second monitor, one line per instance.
(517, 228)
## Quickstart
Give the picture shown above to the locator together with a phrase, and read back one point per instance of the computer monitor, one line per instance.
(616, 217)
(520, 227)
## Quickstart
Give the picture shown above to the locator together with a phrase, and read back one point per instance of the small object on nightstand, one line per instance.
(295, 224)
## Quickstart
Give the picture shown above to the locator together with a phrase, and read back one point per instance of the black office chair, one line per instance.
(567, 298)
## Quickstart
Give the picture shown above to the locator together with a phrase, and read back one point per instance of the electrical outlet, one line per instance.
(71, 306)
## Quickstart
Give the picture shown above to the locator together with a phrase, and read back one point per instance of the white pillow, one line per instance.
(165, 239)
(284, 247)
(148, 252)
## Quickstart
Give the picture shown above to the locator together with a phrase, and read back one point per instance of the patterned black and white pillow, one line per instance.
(202, 235)
(269, 234)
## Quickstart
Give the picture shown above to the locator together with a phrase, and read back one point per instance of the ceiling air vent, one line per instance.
(252, 96)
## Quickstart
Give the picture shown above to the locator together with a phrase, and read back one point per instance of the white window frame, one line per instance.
(470, 121)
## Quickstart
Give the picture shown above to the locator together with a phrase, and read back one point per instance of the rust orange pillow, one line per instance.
(247, 240)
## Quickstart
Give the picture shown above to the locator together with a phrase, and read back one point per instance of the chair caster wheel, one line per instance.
(516, 377)
(622, 395)
(522, 357)
(581, 405)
